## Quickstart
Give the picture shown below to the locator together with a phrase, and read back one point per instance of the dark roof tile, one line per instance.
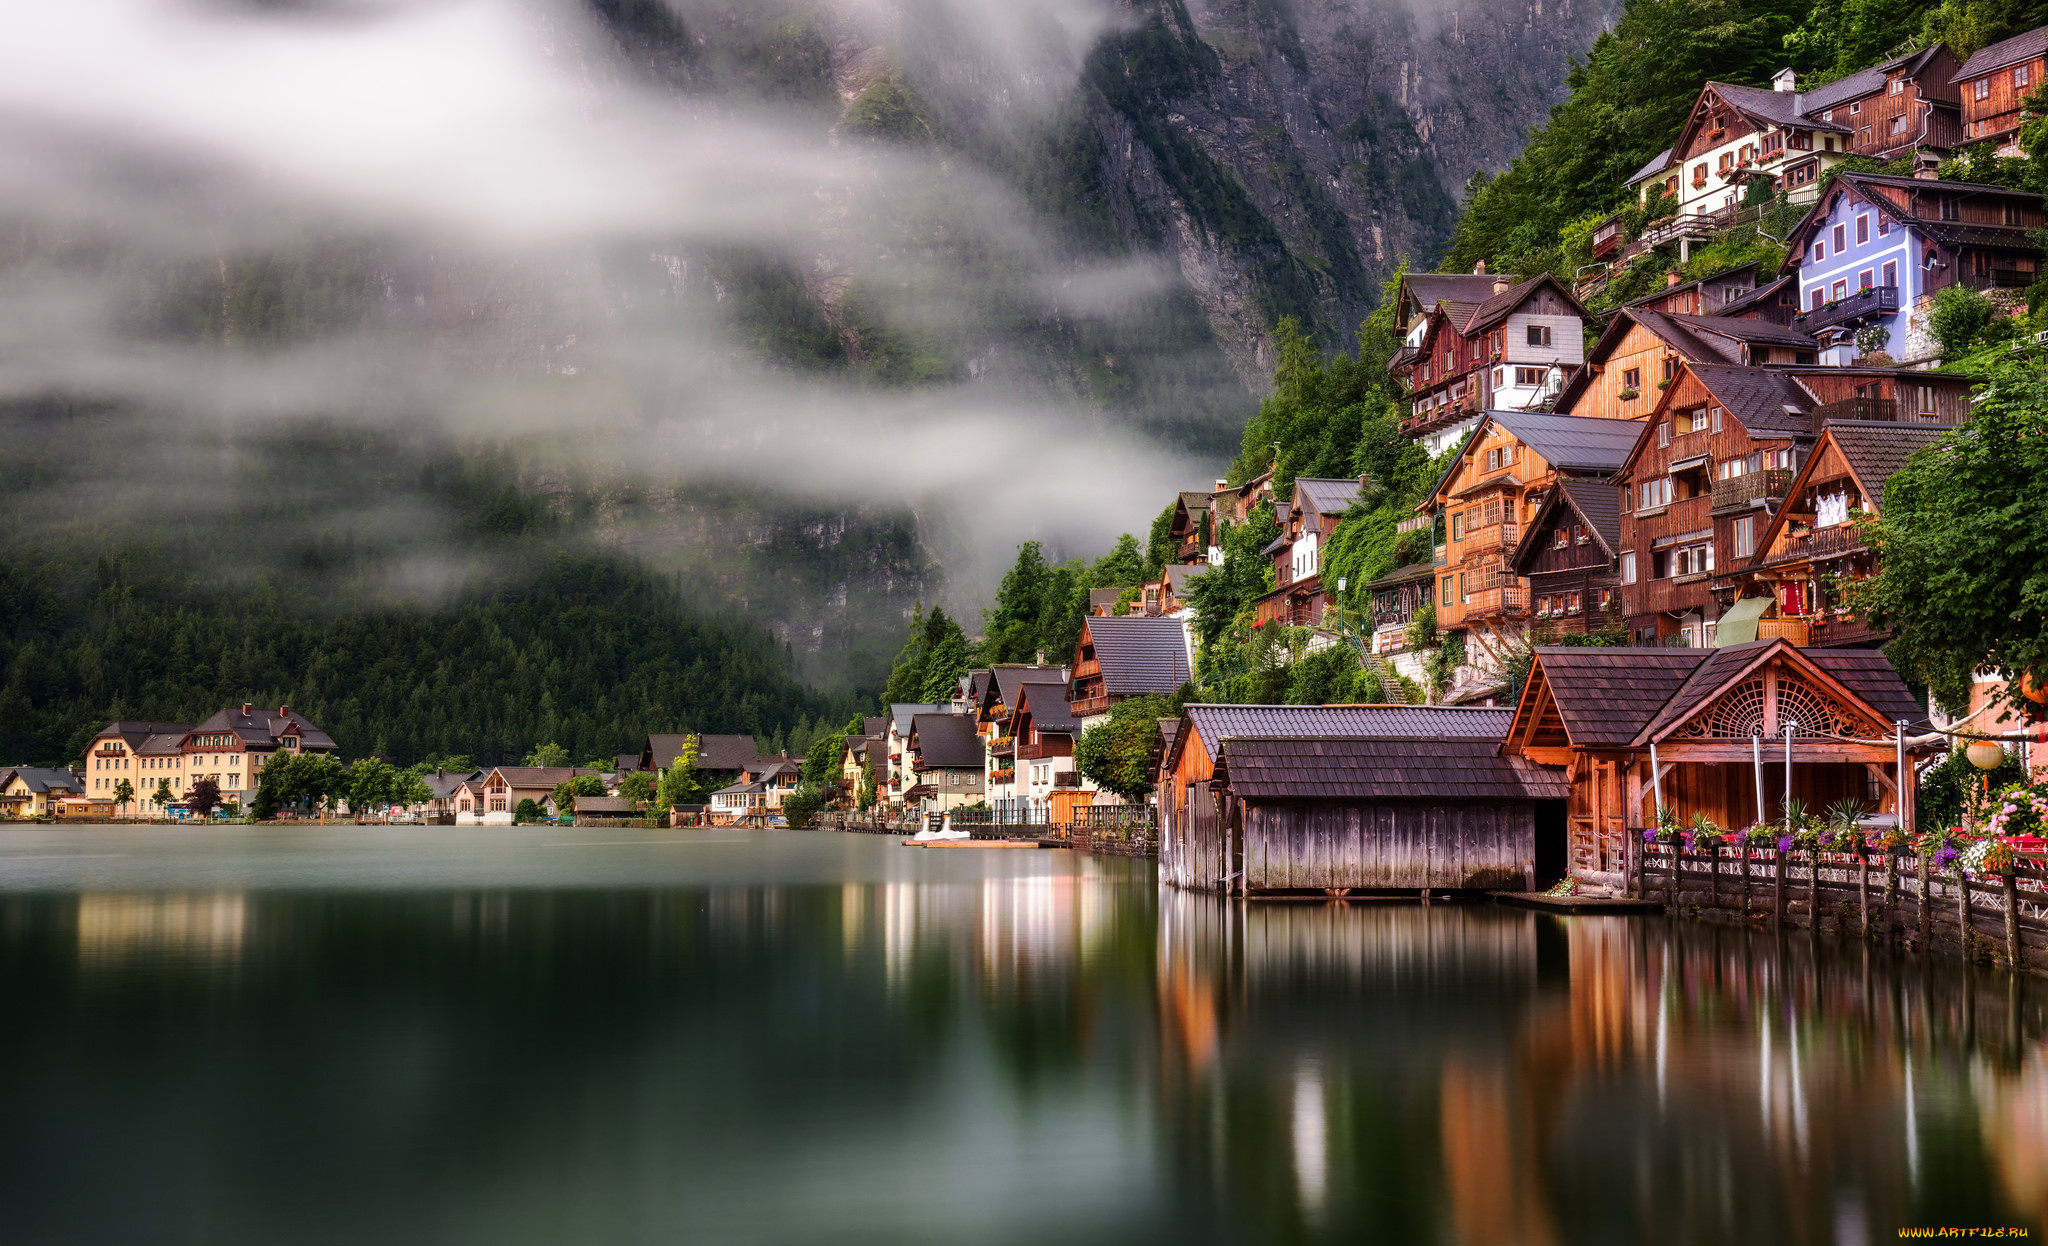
(946, 740)
(1140, 655)
(1368, 769)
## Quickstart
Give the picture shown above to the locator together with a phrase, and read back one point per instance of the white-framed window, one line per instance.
(1897, 86)
(1539, 335)
(1862, 228)
(1651, 494)
(1628, 568)
(1529, 376)
(1745, 536)
(1981, 88)
(2022, 75)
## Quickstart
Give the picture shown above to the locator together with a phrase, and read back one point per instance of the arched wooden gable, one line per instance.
(1785, 691)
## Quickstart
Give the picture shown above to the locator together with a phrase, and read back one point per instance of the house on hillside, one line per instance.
(1601, 715)
(1994, 84)
(946, 763)
(37, 791)
(1395, 599)
(720, 758)
(1875, 250)
(1486, 496)
(1640, 352)
(1571, 556)
(1167, 597)
(1298, 598)
(1230, 505)
(1703, 297)
(1045, 729)
(1128, 657)
(1736, 135)
(1909, 103)
(1713, 462)
(1509, 351)
(1812, 545)
(145, 754)
(1195, 539)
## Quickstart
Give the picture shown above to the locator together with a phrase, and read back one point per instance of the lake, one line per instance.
(541, 1035)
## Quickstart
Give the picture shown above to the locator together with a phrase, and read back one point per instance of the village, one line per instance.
(1688, 476)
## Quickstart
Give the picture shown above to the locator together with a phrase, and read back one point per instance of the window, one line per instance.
(2022, 75)
(1951, 208)
(1463, 596)
(1898, 125)
(1819, 296)
(1891, 272)
(1841, 237)
(1560, 539)
(1699, 175)
(1897, 85)
(1884, 225)
(1717, 419)
(1862, 228)
(1923, 399)
(1579, 534)
(1694, 421)
(1670, 367)
(1539, 335)
(1529, 376)
(1866, 279)
(1727, 161)
(1745, 536)
(1651, 494)
(1458, 526)
(1855, 107)
(1498, 377)
(1981, 88)
(1820, 252)
(1628, 568)
(2012, 214)
(1839, 291)
(1632, 378)
(1447, 591)
(1664, 433)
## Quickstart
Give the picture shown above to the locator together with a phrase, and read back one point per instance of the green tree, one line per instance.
(1122, 567)
(551, 755)
(372, 783)
(1962, 546)
(1160, 547)
(637, 786)
(944, 664)
(568, 790)
(800, 805)
(870, 790)
(124, 792)
(1219, 595)
(411, 791)
(163, 795)
(821, 763)
(525, 812)
(1118, 755)
(682, 783)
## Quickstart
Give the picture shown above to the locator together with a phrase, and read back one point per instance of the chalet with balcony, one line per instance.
(1659, 176)
(1129, 657)
(1487, 496)
(898, 780)
(1875, 250)
(1167, 596)
(1298, 599)
(1706, 296)
(1906, 104)
(1570, 557)
(946, 763)
(1713, 464)
(1510, 352)
(1195, 539)
(1395, 601)
(1045, 727)
(1814, 544)
(1600, 713)
(1640, 354)
(1737, 134)
(1994, 84)
(38, 791)
(720, 758)
(994, 720)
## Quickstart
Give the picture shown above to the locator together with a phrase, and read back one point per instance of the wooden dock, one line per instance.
(1576, 904)
(985, 843)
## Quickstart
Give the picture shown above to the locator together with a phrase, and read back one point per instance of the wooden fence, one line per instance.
(1880, 896)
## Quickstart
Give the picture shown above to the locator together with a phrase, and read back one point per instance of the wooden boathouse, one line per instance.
(1338, 799)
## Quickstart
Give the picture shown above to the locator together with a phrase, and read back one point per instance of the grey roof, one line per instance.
(1658, 163)
(1571, 442)
(45, 779)
(1764, 400)
(1212, 724)
(714, 752)
(601, 804)
(1049, 709)
(1100, 598)
(947, 740)
(1780, 108)
(1470, 289)
(1140, 655)
(1351, 768)
(1197, 499)
(1866, 81)
(1327, 496)
(165, 745)
(135, 734)
(445, 783)
(1178, 575)
(1876, 450)
(1403, 575)
(1949, 233)
(2005, 52)
(1596, 503)
(263, 728)
(900, 714)
(1695, 283)
(1755, 298)
(1758, 331)
(875, 728)
(1010, 680)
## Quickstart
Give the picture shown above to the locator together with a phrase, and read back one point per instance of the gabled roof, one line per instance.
(900, 714)
(1658, 163)
(1434, 770)
(714, 752)
(1871, 676)
(1178, 575)
(445, 783)
(1098, 599)
(43, 780)
(1763, 105)
(1694, 284)
(1497, 307)
(134, 733)
(262, 728)
(1753, 332)
(1864, 673)
(1948, 233)
(1594, 503)
(1867, 81)
(1607, 696)
(946, 740)
(2005, 52)
(1211, 724)
(876, 728)
(1328, 496)
(1765, 400)
(1571, 443)
(1011, 678)
(1139, 655)
(1196, 499)
(1874, 451)
(977, 683)
(536, 776)
(1759, 297)
(1047, 705)
(1469, 289)
(166, 745)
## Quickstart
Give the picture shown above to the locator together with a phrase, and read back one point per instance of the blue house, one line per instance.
(1875, 250)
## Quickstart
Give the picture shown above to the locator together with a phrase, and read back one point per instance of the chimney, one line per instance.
(1785, 80)
(284, 712)
(1926, 166)
(1671, 281)
(1221, 485)
(1500, 285)
(245, 709)
(1041, 657)
(1479, 269)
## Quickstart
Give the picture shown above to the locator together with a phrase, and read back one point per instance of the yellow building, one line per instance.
(121, 751)
(35, 791)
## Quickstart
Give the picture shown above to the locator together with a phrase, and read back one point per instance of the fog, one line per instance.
(526, 222)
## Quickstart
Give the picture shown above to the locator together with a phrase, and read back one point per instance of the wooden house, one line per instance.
(1905, 104)
(1394, 600)
(1736, 134)
(1194, 534)
(1713, 462)
(1487, 495)
(1510, 351)
(1705, 296)
(1167, 596)
(946, 762)
(897, 782)
(1133, 656)
(1571, 557)
(1640, 352)
(1192, 843)
(994, 719)
(1875, 250)
(1995, 82)
(1711, 720)
(1813, 543)
(1298, 598)
(1045, 728)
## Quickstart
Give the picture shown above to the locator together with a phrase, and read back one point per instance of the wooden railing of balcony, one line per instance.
(1505, 601)
(1772, 482)
(1043, 750)
(1868, 302)
(1793, 630)
(1493, 536)
(1088, 706)
(1829, 542)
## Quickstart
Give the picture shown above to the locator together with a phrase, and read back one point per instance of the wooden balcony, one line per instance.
(1750, 487)
(1044, 749)
(1886, 409)
(1490, 537)
(1088, 707)
(1505, 601)
(1835, 541)
(1793, 630)
(1002, 745)
(1869, 303)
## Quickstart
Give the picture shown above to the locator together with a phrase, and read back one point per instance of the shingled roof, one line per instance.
(1213, 723)
(2003, 53)
(1658, 163)
(1607, 696)
(1471, 289)
(1440, 770)
(1875, 450)
(1048, 707)
(263, 728)
(1596, 503)
(1010, 680)
(1571, 442)
(946, 740)
(135, 733)
(1140, 655)
(1327, 496)
(1764, 400)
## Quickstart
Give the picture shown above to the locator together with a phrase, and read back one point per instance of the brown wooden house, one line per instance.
(1318, 506)
(1995, 81)
(1814, 543)
(1508, 352)
(1131, 656)
(1193, 531)
(1905, 104)
(1394, 601)
(1706, 718)
(1703, 297)
(1571, 557)
(1641, 351)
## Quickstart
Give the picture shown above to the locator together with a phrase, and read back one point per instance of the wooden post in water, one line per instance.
(1745, 878)
(1677, 855)
(1926, 902)
(1813, 889)
(1963, 910)
(1714, 875)
(1778, 893)
(1863, 887)
(2012, 920)
(1891, 895)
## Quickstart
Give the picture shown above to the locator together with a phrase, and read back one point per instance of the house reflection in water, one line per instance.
(200, 927)
(1584, 1079)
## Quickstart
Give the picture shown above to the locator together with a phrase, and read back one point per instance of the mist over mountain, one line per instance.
(819, 306)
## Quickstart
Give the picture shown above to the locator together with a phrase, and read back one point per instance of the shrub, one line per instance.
(526, 811)
(1960, 318)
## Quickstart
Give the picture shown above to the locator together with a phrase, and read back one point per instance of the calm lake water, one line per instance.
(360, 1035)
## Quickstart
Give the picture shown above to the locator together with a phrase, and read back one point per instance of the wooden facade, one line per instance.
(1298, 598)
(1712, 722)
(1994, 83)
(1570, 557)
(1903, 105)
(1704, 297)
(1496, 355)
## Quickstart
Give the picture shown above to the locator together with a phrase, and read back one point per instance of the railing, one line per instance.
(1505, 601)
(1856, 409)
(1998, 279)
(1414, 523)
(1869, 302)
(1001, 744)
(1006, 775)
(1793, 630)
(1491, 536)
(1040, 751)
(1830, 542)
(1772, 482)
(1089, 706)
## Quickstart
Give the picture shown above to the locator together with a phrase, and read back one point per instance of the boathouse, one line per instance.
(1695, 729)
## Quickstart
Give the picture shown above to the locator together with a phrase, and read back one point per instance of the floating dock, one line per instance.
(1576, 904)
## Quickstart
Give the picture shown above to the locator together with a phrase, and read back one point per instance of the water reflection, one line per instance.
(930, 1048)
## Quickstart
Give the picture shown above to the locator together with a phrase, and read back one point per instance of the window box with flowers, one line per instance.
(1629, 395)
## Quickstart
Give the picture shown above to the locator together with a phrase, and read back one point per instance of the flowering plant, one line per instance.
(1762, 835)
(1704, 833)
(2019, 810)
